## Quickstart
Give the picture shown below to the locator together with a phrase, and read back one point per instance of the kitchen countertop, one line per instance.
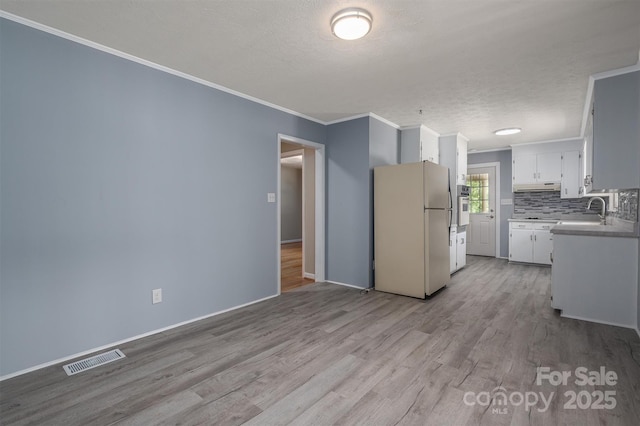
(618, 228)
(534, 220)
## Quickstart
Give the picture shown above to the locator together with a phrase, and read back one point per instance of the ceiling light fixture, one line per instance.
(351, 24)
(509, 131)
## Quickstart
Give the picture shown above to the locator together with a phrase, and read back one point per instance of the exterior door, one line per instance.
(481, 231)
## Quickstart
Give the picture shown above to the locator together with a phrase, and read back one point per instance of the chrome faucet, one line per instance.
(603, 215)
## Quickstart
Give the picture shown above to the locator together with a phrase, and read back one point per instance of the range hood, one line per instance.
(536, 187)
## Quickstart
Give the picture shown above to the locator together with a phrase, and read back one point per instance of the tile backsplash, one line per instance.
(550, 205)
(628, 205)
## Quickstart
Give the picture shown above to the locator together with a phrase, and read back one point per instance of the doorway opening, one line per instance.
(483, 231)
(300, 214)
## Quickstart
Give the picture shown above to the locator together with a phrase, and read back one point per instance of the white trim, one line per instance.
(548, 141)
(497, 198)
(368, 114)
(420, 126)
(346, 285)
(480, 151)
(297, 240)
(130, 339)
(127, 56)
(619, 71)
(319, 205)
(633, 327)
(308, 275)
(384, 120)
(457, 134)
(341, 120)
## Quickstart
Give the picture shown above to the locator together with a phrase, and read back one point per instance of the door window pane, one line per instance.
(478, 192)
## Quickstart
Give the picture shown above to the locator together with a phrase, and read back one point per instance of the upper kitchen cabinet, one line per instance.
(553, 165)
(419, 144)
(571, 183)
(614, 152)
(453, 154)
(537, 168)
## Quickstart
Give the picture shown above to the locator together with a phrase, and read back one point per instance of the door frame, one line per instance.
(495, 164)
(319, 207)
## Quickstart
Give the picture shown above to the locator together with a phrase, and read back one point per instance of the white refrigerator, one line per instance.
(412, 215)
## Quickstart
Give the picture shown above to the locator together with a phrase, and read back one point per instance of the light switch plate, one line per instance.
(271, 197)
(156, 296)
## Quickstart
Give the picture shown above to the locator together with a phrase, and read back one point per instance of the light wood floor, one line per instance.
(291, 267)
(325, 354)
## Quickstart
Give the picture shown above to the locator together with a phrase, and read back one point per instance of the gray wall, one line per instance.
(353, 148)
(291, 203)
(115, 181)
(347, 187)
(384, 144)
(504, 158)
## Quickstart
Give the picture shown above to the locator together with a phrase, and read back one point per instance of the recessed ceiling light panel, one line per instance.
(509, 131)
(351, 24)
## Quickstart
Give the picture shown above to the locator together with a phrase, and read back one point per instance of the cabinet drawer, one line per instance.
(521, 225)
(543, 226)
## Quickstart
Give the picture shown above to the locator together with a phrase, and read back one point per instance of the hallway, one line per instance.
(291, 267)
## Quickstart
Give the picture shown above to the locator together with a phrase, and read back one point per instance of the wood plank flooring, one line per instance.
(325, 354)
(291, 267)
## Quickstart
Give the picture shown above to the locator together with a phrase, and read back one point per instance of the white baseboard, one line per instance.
(310, 276)
(299, 240)
(120, 342)
(615, 324)
(346, 285)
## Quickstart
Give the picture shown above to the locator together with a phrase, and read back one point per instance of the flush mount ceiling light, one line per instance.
(509, 131)
(351, 24)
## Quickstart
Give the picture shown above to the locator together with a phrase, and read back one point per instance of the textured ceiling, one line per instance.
(470, 66)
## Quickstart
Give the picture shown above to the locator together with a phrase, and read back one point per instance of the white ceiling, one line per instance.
(470, 66)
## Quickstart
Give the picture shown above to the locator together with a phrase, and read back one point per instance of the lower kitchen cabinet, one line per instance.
(453, 249)
(595, 278)
(530, 242)
(461, 252)
(457, 249)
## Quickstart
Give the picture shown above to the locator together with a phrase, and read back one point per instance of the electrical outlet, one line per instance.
(156, 296)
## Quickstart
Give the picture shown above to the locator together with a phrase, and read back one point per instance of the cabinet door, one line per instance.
(462, 250)
(549, 167)
(453, 247)
(429, 147)
(461, 149)
(521, 245)
(524, 169)
(542, 247)
(571, 183)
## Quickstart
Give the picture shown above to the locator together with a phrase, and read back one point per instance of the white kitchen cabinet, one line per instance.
(453, 249)
(595, 278)
(537, 168)
(461, 160)
(524, 169)
(453, 154)
(461, 255)
(615, 150)
(542, 246)
(571, 183)
(530, 242)
(419, 144)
